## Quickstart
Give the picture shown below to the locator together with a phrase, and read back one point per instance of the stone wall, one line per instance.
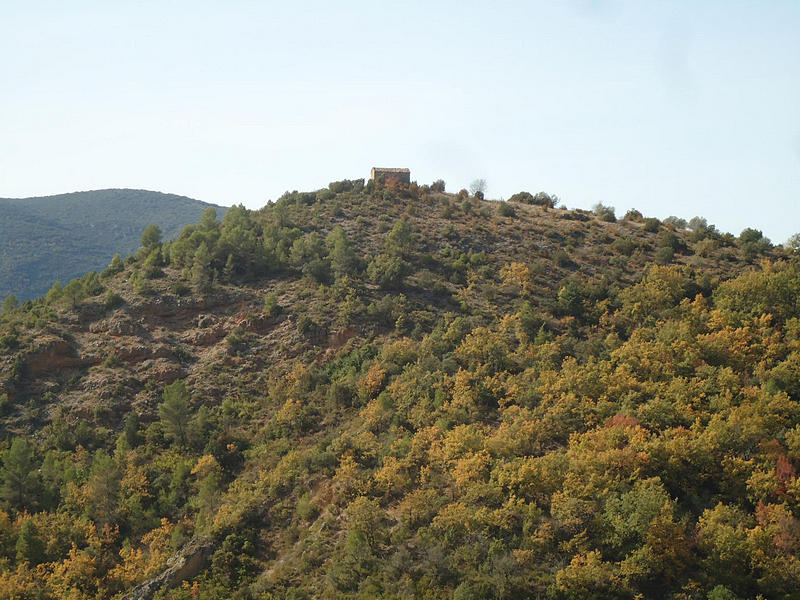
(391, 176)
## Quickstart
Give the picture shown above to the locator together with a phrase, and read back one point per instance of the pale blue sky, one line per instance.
(685, 108)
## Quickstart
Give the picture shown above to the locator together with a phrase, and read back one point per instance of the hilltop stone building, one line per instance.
(390, 176)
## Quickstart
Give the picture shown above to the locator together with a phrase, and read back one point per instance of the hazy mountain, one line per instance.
(64, 236)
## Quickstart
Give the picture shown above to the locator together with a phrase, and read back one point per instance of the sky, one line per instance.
(673, 108)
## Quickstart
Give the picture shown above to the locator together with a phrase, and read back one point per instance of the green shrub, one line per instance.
(752, 236)
(305, 325)
(112, 300)
(271, 306)
(676, 222)
(540, 199)
(142, 286)
(651, 224)
(604, 213)
(668, 239)
(438, 186)
(624, 246)
(114, 267)
(561, 258)
(10, 303)
(705, 247)
(9, 341)
(664, 255)
(388, 271)
(506, 210)
(179, 288)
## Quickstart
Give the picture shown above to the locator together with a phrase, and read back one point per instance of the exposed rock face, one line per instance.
(163, 371)
(136, 351)
(340, 337)
(204, 321)
(190, 561)
(257, 324)
(205, 337)
(52, 353)
(118, 326)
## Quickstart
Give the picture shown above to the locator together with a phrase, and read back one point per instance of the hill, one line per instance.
(378, 392)
(62, 237)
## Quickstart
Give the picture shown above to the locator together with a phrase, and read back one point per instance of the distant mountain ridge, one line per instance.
(61, 237)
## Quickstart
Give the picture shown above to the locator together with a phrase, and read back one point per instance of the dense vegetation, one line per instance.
(62, 237)
(369, 392)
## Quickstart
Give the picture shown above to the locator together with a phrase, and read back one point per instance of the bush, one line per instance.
(701, 230)
(604, 213)
(438, 186)
(752, 243)
(675, 222)
(667, 239)
(113, 300)
(388, 271)
(633, 215)
(651, 224)
(90, 284)
(624, 246)
(705, 247)
(141, 286)
(664, 255)
(305, 325)
(179, 288)
(271, 306)
(114, 267)
(346, 185)
(540, 199)
(9, 341)
(10, 303)
(478, 188)
(561, 258)
(506, 210)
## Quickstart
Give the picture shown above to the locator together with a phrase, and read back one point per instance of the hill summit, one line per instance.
(397, 392)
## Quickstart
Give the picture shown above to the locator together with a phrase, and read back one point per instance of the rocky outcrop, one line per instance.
(137, 352)
(205, 337)
(187, 563)
(338, 338)
(52, 353)
(116, 327)
(162, 371)
(168, 307)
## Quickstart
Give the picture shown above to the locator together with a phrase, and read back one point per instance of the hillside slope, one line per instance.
(62, 237)
(369, 392)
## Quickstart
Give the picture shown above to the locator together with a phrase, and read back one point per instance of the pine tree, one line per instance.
(208, 221)
(132, 430)
(341, 255)
(230, 266)
(174, 411)
(10, 303)
(30, 547)
(54, 293)
(18, 475)
(102, 488)
(202, 274)
(151, 236)
(116, 264)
